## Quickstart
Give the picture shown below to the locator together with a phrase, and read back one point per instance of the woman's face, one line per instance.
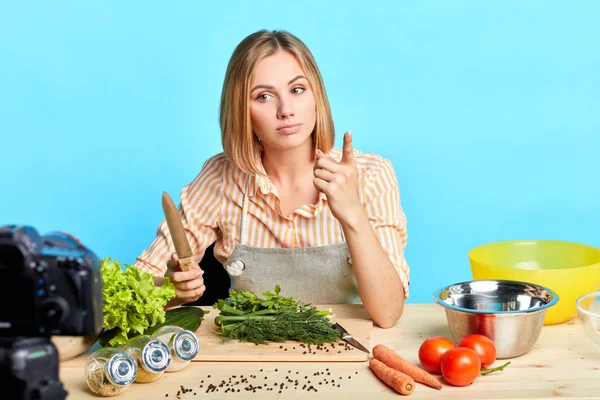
(282, 103)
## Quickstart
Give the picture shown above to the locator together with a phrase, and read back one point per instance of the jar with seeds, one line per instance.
(152, 357)
(109, 371)
(182, 343)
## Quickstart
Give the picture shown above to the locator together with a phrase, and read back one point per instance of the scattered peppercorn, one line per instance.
(250, 385)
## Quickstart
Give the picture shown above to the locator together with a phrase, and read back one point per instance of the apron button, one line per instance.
(235, 268)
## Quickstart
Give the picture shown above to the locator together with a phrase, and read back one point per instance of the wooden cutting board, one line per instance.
(352, 317)
(71, 346)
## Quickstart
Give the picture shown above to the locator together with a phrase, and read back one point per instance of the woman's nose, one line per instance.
(285, 110)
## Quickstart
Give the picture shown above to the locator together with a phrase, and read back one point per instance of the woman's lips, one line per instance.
(289, 129)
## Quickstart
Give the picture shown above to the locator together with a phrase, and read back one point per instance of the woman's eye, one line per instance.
(263, 97)
(298, 90)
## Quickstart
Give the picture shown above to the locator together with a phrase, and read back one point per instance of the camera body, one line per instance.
(49, 286)
(53, 281)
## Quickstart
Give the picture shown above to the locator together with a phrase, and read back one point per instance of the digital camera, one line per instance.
(49, 285)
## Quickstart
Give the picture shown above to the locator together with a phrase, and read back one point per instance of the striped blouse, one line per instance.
(211, 208)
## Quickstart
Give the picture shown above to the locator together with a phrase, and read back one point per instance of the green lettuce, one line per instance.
(132, 302)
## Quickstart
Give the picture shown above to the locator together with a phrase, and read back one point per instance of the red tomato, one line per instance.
(483, 346)
(431, 352)
(460, 366)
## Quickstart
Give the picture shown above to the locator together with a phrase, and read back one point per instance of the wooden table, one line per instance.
(563, 363)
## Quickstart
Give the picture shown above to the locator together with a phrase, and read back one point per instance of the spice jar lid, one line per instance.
(185, 345)
(121, 369)
(156, 356)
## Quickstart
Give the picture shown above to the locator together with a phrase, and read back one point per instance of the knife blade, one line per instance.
(349, 339)
(180, 242)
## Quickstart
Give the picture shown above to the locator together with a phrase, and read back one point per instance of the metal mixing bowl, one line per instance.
(510, 313)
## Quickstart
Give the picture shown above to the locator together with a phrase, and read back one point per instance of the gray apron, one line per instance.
(317, 275)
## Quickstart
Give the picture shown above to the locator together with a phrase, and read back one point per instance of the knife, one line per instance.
(182, 246)
(349, 339)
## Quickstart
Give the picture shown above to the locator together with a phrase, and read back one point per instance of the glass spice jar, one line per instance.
(152, 357)
(182, 343)
(109, 371)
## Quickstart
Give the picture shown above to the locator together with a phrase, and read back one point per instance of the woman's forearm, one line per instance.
(379, 285)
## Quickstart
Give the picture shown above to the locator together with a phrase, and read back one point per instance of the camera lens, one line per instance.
(53, 311)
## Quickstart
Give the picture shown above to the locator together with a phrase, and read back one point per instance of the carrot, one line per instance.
(393, 360)
(398, 381)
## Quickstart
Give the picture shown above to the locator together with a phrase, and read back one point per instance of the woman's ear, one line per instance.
(257, 142)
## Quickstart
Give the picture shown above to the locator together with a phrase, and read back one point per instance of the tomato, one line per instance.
(483, 346)
(460, 366)
(432, 351)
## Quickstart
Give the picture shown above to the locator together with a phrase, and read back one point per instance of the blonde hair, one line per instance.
(240, 144)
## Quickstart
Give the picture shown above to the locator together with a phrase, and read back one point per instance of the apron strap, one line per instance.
(237, 267)
(243, 228)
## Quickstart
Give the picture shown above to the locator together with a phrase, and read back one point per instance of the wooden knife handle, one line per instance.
(186, 263)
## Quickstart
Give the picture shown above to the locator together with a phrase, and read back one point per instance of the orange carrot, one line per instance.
(393, 360)
(398, 381)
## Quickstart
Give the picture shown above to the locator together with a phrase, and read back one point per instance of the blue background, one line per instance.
(488, 110)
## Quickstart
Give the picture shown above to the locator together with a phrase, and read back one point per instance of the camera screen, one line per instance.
(16, 286)
(19, 290)
(11, 259)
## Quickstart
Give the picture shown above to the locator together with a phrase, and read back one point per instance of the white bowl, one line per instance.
(588, 310)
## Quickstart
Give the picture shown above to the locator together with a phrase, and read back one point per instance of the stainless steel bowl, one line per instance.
(510, 313)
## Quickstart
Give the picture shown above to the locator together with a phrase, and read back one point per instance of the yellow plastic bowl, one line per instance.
(570, 269)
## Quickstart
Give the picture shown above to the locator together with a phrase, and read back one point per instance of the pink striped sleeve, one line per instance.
(200, 204)
(381, 196)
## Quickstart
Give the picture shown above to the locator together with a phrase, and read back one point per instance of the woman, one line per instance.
(281, 205)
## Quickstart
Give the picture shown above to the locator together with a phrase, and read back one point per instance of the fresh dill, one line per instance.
(273, 318)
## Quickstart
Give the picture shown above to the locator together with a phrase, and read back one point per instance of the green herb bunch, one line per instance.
(274, 318)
